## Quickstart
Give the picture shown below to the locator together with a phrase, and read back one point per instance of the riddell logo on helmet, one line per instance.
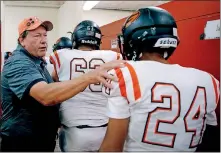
(89, 42)
(166, 42)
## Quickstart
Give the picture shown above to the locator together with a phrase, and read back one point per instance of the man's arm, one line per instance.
(115, 136)
(54, 93)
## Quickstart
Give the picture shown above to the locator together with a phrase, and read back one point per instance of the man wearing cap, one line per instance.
(29, 96)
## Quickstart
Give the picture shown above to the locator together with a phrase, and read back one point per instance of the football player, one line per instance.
(83, 116)
(157, 106)
(61, 43)
(7, 55)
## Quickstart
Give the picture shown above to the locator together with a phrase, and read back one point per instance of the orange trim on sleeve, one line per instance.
(121, 82)
(215, 89)
(136, 86)
(57, 57)
(52, 60)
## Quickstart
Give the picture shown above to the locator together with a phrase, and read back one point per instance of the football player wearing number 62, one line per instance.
(83, 117)
(155, 105)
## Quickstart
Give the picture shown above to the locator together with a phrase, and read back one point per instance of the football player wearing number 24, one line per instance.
(157, 106)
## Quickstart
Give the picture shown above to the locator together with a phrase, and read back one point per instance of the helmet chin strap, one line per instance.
(120, 45)
(123, 54)
(165, 55)
(140, 55)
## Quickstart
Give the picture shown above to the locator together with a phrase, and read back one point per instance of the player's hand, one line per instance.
(100, 74)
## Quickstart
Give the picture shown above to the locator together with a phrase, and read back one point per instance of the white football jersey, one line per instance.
(49, 66)
(89, 106)
(168, 105)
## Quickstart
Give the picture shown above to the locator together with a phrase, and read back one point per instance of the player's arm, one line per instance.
(117, 130)
(118, 113)
(211, 137)
(213, 98)
(115, 136)
(211, 140)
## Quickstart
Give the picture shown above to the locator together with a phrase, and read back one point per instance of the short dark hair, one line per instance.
(93, 47)
(23, 35)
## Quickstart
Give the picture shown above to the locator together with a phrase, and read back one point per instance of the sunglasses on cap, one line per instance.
(31, 21)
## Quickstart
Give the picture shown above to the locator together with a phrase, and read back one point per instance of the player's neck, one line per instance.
(85, 48)
(153, 57)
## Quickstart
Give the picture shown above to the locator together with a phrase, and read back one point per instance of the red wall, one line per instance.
(110, 31)
(191, 17)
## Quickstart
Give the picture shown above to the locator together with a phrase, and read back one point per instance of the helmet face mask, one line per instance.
(149, 29)
(87, 33)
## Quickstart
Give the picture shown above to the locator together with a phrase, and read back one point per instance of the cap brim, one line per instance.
(48, 25)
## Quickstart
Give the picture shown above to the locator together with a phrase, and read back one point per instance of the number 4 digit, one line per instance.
(196, 116)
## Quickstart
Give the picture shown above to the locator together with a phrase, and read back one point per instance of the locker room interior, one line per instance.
(191, 18)
(195, 50)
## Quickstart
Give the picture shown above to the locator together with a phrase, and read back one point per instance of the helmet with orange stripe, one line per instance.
(150, 29)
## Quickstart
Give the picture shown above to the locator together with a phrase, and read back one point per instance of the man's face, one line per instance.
(36, 42)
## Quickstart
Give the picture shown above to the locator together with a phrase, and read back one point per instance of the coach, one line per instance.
(29, 97)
